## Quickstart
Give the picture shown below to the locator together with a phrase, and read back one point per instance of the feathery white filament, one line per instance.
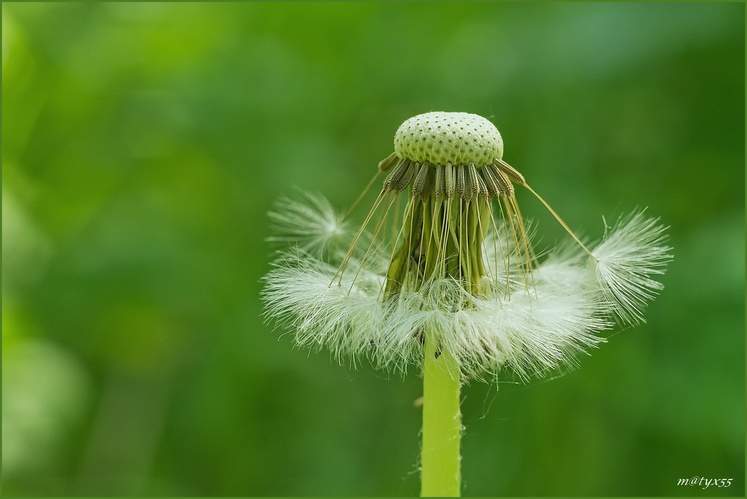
(310, 223)
(530, 330)
(627, 258)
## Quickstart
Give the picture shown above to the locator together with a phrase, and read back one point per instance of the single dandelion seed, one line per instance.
(449, 282)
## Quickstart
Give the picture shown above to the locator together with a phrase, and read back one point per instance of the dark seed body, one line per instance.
(465, 182)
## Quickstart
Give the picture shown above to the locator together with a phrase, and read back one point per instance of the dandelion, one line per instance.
(442, 275)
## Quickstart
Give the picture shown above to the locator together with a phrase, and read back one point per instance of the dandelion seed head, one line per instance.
(453, 266)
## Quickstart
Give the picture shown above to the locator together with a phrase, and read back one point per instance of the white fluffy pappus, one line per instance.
(310, 223)
(530, 326)
(632, 253)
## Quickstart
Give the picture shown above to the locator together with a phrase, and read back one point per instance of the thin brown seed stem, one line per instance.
(560, 220)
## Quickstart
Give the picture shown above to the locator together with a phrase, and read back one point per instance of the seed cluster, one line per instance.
(462, 181)
(439, 138)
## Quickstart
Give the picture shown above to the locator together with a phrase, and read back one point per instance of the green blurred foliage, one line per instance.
(143, 144)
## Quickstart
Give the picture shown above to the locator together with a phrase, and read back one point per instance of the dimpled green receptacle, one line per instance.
(439, 138)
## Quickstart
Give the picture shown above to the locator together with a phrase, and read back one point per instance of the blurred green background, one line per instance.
(144, 143)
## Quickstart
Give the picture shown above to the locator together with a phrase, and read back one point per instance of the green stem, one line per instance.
(442, 424)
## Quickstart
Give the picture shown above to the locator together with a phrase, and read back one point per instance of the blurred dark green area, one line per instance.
(144, 143)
